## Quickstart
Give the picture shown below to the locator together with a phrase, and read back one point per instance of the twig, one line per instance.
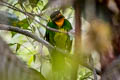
(17, 9)
(28, 20)
(24, 32)
(31, 35)
(31, 15)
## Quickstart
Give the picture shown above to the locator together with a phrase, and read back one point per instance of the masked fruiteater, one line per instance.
(59, 40)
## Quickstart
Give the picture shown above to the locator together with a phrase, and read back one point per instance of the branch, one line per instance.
(19, 10)
(27, 33)
(31, 15)
(31, 35)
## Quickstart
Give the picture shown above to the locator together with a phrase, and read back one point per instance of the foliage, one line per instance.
(34, 54)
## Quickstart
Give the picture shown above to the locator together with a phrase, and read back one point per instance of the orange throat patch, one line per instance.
(60, 22)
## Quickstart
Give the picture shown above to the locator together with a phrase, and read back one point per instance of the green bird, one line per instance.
(59, 40)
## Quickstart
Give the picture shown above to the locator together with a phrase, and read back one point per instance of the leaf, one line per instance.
(13, 33)
(41, 3)
(33, 29)
(33, 3)
(21, 1)
(18, 47)
(30, 60)
(11, 44)
(23, 24)
(45, 7)
(34, 58)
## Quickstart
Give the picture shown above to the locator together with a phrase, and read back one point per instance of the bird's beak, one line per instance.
(59, 15)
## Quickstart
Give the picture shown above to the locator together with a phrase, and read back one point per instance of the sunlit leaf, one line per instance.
(30, 60)
(23, 24)
(45, 7)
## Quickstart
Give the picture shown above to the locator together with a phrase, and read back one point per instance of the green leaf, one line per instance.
(17, 44)
(45, 7)
(18, 47)
(13, 33)
(34, 58)
(41, 3)
(33, 29)
(21, 1)
(11, 44)
(23, 24)
(30, 60)
(33, 3)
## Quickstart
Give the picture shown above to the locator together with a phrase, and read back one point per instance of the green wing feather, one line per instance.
(50, 34)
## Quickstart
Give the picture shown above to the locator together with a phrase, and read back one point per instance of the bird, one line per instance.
(59, 40)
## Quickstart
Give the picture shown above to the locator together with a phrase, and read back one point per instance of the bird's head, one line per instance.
(58, 18)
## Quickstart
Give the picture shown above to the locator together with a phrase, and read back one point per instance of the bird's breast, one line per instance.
(60, 22)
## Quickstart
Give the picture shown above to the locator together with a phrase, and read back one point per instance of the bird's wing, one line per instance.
(49, 36)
